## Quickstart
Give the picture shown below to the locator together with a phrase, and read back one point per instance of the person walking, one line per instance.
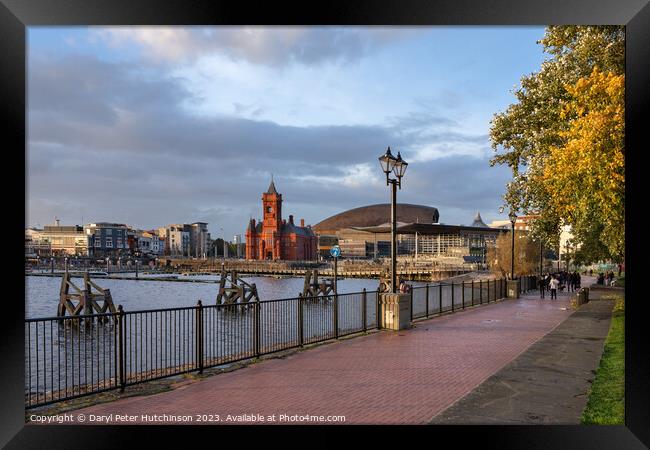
(554, 284)
(542, 286)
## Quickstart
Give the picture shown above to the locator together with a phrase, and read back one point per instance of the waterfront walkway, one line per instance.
(405, 377)
(549, 383)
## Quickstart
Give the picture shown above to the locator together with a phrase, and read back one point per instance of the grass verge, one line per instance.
(606, 404)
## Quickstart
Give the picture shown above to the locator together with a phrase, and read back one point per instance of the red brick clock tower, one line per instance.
(276, 239)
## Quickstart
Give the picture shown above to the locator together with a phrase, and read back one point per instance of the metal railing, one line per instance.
(70, 357)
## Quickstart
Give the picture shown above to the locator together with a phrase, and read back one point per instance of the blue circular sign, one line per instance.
(335, 251)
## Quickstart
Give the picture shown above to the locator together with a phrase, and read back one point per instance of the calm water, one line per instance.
(42, 293)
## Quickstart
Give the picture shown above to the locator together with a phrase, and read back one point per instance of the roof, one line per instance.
(429, 228)
(288, 228)
(478, 222)
(271, 189)
(374, 215)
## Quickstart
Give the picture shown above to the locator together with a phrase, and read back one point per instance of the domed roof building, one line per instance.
(365, 233)
(374, 215)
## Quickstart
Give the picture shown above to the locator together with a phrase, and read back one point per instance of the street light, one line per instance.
(513, 219)
(398, 167)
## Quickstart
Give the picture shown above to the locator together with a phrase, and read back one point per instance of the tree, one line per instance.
(527, 255)
(563, 138)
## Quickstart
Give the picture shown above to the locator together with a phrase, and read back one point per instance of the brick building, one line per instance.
(277, 238)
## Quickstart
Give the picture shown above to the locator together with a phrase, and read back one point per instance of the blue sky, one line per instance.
(170, 124)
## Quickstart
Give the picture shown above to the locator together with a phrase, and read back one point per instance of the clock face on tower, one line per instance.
(269, 209)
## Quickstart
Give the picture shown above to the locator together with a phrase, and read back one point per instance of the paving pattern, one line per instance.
(405, 377)
(549, 383)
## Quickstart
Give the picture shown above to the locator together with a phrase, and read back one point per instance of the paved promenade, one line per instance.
(405, 377)
(549, 383)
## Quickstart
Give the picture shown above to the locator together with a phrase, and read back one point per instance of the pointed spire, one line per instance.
(478, 221)
(271, 189)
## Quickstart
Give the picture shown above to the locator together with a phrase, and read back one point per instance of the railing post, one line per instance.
(336, 316)
(120, 347)
(363, 310)
(462, 288)
(411, 300)
(301, 337)
(440, 298)
(258, 327)
(378, 311)
(199, 335)
(472, 292)
(480, 292)
(452, 296)
(427, 300)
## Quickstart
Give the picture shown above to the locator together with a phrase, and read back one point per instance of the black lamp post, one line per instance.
(513, 219)
(398, 166)
(541, 257)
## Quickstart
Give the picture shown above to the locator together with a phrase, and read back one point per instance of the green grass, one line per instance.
(606, 404)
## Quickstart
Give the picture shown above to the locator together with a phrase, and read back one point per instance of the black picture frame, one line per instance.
(16, 15)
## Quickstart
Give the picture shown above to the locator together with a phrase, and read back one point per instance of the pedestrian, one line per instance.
(554, 284)
(402, 286)
(578, 280)
(542, 286)
(620, 267)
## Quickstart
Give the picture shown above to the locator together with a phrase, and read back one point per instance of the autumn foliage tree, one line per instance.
(564, 141)
(526, 253)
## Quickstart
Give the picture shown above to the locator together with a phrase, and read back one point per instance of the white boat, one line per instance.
(98, 274)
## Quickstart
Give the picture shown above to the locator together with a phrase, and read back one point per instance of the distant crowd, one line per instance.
(559, 280)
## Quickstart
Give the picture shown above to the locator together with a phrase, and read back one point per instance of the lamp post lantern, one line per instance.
(397, 166)
(513, 219)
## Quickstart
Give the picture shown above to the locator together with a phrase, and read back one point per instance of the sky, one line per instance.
(156, 125)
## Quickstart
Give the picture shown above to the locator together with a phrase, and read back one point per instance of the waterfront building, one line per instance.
(365, 233)
(56, 240)
(199, 237)
(276, 238)
(107, 239)
(190, 240)
(523, 223)
(157, 243)
(177, 240)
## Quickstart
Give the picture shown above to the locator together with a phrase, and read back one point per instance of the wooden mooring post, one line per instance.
(312, 288)
(84, 301)
(233, 290)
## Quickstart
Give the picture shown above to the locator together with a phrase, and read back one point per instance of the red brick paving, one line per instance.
(402, 377)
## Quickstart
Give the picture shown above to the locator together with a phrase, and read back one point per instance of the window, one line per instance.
(109, 242)
(269, 209)
(98, 242)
